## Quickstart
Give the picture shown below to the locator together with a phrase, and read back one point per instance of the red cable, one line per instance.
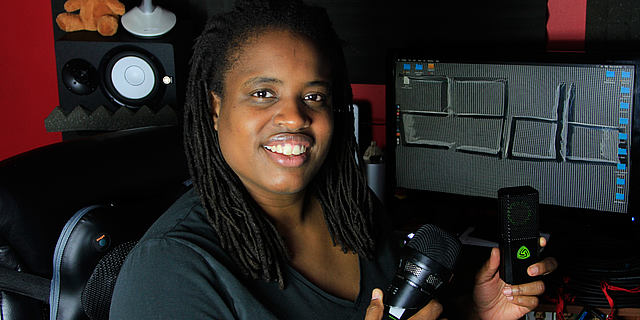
(561, 299)
(605, 287)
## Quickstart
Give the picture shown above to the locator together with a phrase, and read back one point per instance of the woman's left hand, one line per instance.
(495, 299)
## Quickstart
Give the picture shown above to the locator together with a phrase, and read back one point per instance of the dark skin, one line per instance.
(275, 126)
(279, 94)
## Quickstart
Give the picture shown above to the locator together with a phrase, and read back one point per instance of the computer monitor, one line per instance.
(563, 124)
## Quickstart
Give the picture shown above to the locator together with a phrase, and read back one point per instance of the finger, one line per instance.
(529, 302)
(534, 288)
(431, 311)
(543, 242)
(376, 307)
(490, 268)
(546, 266)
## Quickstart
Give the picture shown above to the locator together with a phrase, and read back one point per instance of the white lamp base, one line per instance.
(153, 24)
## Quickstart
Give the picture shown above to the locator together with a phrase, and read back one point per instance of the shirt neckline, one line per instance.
(341, 301)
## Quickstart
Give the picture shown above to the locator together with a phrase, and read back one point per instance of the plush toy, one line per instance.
(100, 15)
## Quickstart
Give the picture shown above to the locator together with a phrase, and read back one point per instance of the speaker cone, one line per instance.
(132, 78)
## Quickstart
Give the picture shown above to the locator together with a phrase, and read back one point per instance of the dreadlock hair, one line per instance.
(243, 229)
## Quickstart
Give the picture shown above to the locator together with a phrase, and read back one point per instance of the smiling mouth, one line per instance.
(287, 149)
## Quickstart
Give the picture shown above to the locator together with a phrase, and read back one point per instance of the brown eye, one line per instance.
(315, 97)
(263, 94)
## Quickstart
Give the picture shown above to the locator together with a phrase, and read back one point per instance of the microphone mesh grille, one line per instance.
(413, 269)
(436, 244)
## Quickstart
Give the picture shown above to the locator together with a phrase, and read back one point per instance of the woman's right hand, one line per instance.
(376, 309)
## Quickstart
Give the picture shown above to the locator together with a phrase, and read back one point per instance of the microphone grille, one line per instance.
(436, 244)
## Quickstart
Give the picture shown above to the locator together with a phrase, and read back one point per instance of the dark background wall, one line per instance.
(370, 28)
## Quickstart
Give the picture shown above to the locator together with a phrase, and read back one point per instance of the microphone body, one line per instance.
(425, 268)
(519, 233)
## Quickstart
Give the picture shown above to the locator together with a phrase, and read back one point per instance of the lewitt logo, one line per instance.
(523, 253)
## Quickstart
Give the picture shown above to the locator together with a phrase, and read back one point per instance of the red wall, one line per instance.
(28, 86)
(566, 25)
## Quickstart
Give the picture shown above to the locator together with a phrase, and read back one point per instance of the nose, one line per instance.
(292, 115)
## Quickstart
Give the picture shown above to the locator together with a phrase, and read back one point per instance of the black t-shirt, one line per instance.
(178, 270)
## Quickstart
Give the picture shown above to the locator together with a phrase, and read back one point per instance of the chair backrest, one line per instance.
(121, 180)
(89, 253)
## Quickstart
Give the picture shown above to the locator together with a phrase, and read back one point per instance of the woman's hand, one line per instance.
(375, 311)
(494, 299)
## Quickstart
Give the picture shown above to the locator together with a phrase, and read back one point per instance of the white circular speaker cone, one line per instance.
(133, 77)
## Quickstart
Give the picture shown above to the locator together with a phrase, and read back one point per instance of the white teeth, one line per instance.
(287, 149)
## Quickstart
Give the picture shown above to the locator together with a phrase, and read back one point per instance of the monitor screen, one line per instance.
(472, 128)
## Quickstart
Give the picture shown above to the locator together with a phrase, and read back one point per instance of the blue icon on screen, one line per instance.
(626, 74)
(625, 90)
(624, 105)
(611, 74)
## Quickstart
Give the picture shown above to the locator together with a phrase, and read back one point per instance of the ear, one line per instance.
(215, 106)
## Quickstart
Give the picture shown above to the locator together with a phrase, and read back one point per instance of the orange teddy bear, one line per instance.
(100, 15)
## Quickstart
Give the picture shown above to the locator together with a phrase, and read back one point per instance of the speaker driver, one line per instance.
(132, 78)
(80, 77)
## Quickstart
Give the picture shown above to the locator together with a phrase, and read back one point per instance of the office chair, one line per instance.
(70, 212)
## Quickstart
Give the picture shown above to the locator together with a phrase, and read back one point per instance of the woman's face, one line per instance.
(274, 119)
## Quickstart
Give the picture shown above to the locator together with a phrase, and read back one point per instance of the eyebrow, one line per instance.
(264, 80)
(320, 83)
(261, 80)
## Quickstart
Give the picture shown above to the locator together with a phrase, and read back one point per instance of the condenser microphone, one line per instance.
(519, 233)
(425, 268)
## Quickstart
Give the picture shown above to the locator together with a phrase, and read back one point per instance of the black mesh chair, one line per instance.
(70, 212)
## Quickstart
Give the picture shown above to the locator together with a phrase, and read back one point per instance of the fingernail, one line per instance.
(507, 291)
(376, 294)
(510, 298)
(533, 270)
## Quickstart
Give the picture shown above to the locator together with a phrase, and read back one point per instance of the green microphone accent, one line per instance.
(523, 253)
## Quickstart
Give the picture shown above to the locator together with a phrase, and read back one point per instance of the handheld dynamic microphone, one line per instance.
(425, 267)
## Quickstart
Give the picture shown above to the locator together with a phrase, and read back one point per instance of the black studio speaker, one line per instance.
(519, 233)
(123, 71)
(119, 82)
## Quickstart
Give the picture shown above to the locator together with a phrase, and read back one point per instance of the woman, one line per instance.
(280, 223)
